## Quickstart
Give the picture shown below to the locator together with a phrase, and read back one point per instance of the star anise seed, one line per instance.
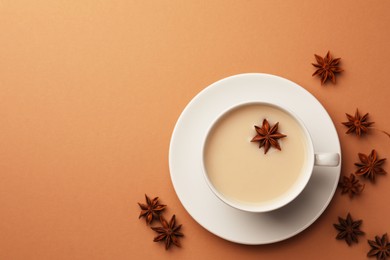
(370, 165)
(169, 232)
(327, 68)
(351, 185)
(151, 209)
(268, 136)
(348, 229)
(357, 124)
(380, 247)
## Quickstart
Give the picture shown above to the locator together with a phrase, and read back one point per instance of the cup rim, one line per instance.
(285, 198)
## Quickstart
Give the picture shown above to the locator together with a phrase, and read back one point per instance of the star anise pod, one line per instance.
(268, 136)
(169, 232)
(327, 67)
(357, 124)
(380, 247)
(151, 209)
(370, 165)
(349, 230)
(351, 185)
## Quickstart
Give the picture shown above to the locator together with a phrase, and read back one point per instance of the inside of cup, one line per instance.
(241, 174)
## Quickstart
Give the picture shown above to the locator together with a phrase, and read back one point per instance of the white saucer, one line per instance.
(185, 156)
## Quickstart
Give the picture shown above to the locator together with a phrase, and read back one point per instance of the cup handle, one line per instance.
(327, 159)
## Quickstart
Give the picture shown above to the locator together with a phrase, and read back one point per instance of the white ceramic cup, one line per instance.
(312, 158)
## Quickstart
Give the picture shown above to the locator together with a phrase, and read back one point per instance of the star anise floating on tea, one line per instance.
(169, 232)
(268, 136)
(326, 68)
(370, 165)
(351, 185)
(357, 124)
(380, 247)
(151, 209)
(348, 229)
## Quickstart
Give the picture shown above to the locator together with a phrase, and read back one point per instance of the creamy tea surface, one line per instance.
(239, 170)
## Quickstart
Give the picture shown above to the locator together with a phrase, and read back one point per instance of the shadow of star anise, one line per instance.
(357, 124)
(268, 136)
(351, 185)
(370, 165)
(380, 247)
(169, 232)
(327, 68)
(151, 209)
(349, 230)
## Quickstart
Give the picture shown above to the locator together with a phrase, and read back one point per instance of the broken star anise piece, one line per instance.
(151, 209)
(357, 124)
(349, 230)
(327, 68)
(380, 247)
(370, 165)
(268, 136)
(169, 232)
(351, 185)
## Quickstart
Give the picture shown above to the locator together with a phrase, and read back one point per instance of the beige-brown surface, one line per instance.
(90, 92)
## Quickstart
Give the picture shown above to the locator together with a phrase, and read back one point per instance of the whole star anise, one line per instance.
(351, 185)
(349, 230)
(357, 124)
(169, 232)
(268, 136)
(151, 209)
(370, 165)
(327, 67)
(380, 247)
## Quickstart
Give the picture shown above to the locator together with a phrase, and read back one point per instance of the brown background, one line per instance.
(90, 92)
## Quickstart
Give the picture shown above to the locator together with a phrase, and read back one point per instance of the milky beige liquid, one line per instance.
(239, 170)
